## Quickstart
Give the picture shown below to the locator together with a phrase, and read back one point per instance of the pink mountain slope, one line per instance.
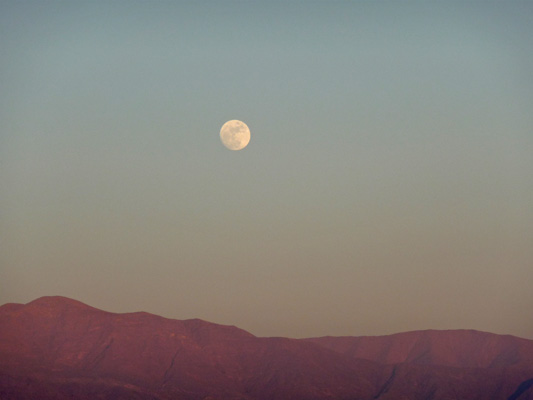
(453, 348)
(57, 348)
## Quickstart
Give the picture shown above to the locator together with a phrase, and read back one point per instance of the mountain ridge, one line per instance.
(62, 348)
(455, 348)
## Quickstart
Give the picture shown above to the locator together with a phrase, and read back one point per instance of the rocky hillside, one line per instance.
(58, 348)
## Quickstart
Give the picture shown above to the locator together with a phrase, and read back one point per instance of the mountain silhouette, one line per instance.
(58, 348)
(457, 348)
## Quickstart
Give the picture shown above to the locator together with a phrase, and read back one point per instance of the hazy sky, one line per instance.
(387, 186)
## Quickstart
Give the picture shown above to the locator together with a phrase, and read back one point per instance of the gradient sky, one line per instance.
(387, 187)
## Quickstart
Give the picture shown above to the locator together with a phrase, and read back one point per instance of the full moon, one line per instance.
(235, 135)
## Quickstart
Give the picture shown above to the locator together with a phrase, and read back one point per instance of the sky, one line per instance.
(387, 185)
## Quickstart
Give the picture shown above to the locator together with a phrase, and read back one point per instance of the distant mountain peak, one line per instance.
(58, 301)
